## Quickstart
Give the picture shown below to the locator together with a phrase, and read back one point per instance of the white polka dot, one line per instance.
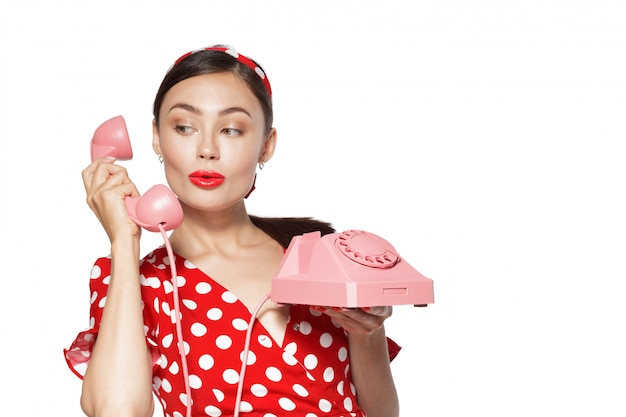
(291, 348)
(152, 282)
(311, 415)
(195, 382)
(96, 272)
(102, 302)
(265, 341)
(167, 286)
(212, 411)
(300, 390)
(106, 280)
(198, 329)
(251, 357)
(206, 362)
(305, 327)
(329, 374)
(340, 388)
(214, 313)
(156, 383)
(240, 324)
(180, 281)
(342, 354)
(230, 376)
(315, 313)
(245, 407)
(326, 340)
(165, 307)
(347, 404)
(310, 361)
(289, 359)
(229, 297)
(286, 404)
(190, 304)
(232, 52)
(258, 390)
(223, 342)
(203, 288)
(324, 405)
(219, 395)
(273, 374)
(352, 388)
(94, 297)
(167, 340)
(189, 265)
(156, 304)
(259, 72)
(163, 361)
(166, 386)
(173, 315)
(174, 368)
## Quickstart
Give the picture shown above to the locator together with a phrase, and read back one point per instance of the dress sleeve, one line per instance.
(78, 354)
(393, 348)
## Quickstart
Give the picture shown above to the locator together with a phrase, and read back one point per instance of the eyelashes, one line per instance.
(187, 130)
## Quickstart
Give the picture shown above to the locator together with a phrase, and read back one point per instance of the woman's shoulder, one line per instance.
(283, 229)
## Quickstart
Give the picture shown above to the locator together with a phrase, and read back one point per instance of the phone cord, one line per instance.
(179, 332)
(246, 349)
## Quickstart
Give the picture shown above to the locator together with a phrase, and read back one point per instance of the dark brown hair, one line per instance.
(211, 62)
(283, 229)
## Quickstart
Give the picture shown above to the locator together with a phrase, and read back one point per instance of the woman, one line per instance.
(212, 127)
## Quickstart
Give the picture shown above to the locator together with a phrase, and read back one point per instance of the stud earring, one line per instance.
(261, 165)
(160, 158)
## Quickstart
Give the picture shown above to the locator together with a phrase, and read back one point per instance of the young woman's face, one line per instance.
(211, 136)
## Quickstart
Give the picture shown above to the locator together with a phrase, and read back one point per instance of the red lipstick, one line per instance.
(206, 179)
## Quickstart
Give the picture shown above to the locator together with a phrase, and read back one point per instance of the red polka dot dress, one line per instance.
(308, 376)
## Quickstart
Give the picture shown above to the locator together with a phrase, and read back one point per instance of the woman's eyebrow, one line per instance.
(231, 110)
(187, 107)
(221, 113)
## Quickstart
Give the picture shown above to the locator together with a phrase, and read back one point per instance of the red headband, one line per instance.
(241, 58)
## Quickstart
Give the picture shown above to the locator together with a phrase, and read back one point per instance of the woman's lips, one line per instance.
(206, 179)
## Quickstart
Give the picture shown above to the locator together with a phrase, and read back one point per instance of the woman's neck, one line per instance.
(225, 231)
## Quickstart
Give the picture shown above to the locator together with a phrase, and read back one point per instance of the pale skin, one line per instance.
(208, 122)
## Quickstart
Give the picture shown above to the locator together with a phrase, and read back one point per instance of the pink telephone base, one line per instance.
(349, 269)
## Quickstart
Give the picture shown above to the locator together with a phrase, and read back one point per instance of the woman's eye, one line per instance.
(231, 131)
(184, 130)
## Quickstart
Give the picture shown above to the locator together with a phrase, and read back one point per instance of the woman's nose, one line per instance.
(208, 148)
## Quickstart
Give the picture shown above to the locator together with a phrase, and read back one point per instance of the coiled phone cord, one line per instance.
(179, 332)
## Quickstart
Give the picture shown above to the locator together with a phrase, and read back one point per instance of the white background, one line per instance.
(484, 139)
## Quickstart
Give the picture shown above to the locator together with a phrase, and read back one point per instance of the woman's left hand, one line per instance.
(364, 321)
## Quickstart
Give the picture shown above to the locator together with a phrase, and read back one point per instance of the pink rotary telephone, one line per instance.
(349, 269)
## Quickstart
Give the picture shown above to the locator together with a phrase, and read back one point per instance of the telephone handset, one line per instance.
(353, 268)
(158, 206)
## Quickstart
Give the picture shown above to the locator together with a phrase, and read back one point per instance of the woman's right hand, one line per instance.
(107, 185)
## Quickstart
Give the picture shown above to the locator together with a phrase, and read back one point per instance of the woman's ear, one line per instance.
(268, 146)
(156, 139)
